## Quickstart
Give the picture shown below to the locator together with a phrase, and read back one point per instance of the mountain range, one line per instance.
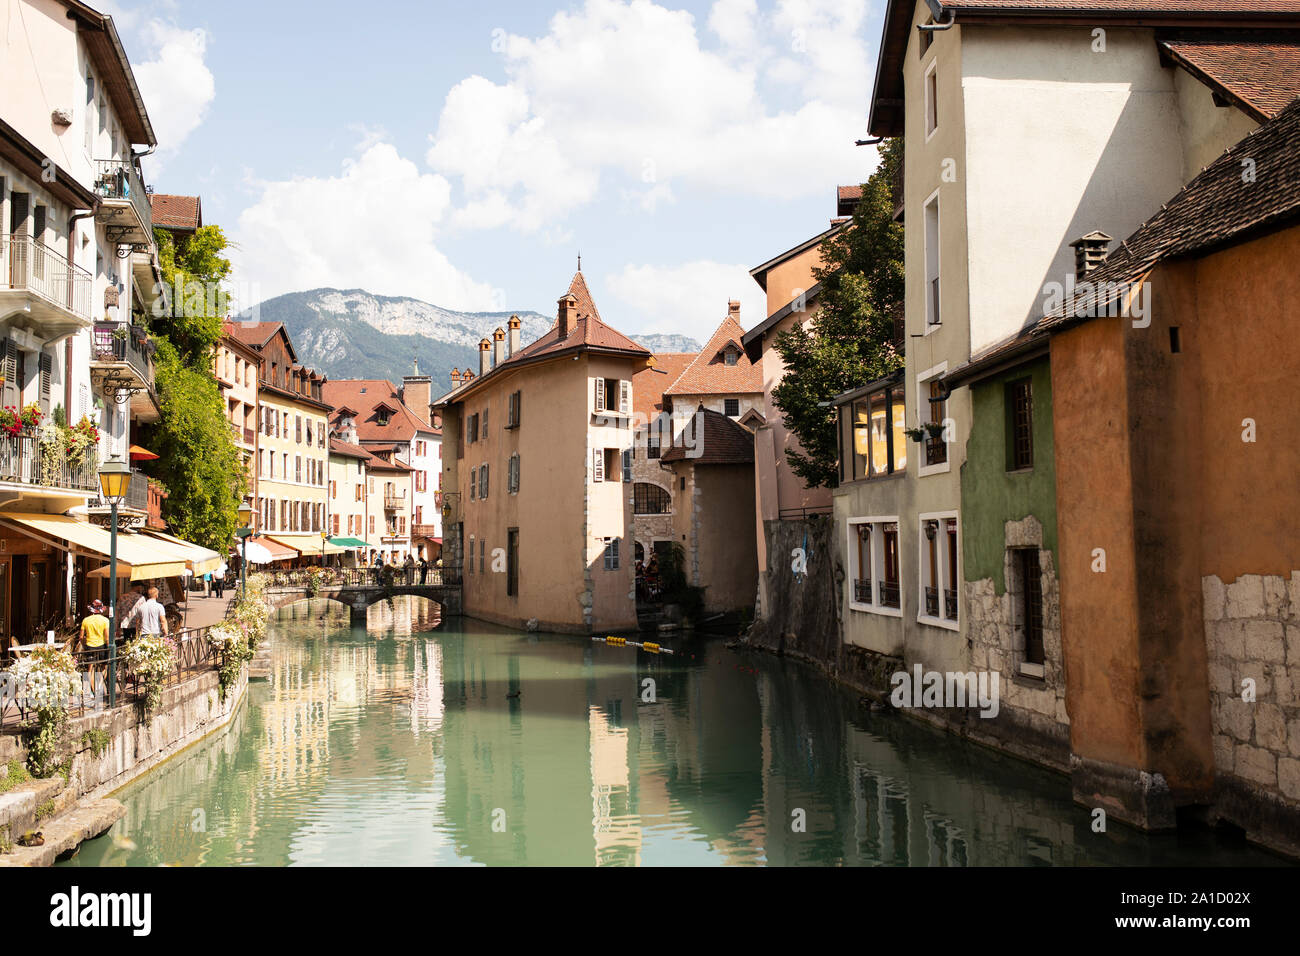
(356, 334)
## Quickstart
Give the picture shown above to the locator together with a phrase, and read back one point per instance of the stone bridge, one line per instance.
(359, 597)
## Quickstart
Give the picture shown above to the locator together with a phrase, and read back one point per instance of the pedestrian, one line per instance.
(126, 608)
(94, 633)
(151, 615)
(219, 579)
(424, 568)
(409, 565)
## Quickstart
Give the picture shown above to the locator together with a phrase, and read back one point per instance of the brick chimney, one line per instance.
(465, 376)
(484, 357)
(1090, 251)
(498, 346)
(512, 340)
(455, 379)
(733, 309)
(567, 316)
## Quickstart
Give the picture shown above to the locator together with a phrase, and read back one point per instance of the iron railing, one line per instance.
(950, 603)
(932, 602)
(372, 577)
(28, 265)
(888, 593)
(194, 654)
(23, 461)
(862, 591)
(798, 514)
(120, 342)
(116, 179)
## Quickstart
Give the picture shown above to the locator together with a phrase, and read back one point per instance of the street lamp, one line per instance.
(245, 520)
(114, 482)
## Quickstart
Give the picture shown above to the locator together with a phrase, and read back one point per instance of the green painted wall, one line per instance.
(991, 495)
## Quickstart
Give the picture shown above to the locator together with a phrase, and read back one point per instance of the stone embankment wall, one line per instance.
(1252, 635)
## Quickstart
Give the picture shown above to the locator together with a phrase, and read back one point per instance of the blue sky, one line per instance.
(465, 153)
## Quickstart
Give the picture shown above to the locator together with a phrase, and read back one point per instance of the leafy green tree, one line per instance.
(852, 341)
(199, 463)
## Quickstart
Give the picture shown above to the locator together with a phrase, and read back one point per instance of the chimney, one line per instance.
(465, 376)
(567, 317)
(417, 391)
(484, 357)
(512, 342)
(455, 379)
(733, 309)
(1090, 251)
(498, 346)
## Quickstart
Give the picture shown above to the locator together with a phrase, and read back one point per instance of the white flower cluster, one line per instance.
(47, 680)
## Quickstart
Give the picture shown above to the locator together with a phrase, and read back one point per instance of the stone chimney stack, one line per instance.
(455, 379)
(512, 341)
(733, 309)
(484, 357)
(465, 376)
(498, 346)
(1090, 251)
(417, 391)
(567, 316)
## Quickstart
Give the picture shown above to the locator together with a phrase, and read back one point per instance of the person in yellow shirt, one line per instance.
(94, 632)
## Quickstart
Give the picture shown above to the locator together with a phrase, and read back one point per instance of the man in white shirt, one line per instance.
(151, 615)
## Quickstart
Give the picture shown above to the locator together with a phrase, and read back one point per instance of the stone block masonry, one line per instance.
(1252, 635)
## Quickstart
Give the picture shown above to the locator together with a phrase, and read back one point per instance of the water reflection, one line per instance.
(470, 744)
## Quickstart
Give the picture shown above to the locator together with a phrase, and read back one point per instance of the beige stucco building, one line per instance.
(537, 510)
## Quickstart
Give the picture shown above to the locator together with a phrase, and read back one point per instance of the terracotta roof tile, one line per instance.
(648, 384)
(709, 374)
(724, 442)
(1261, 70)
(176, 212)
(367, 395)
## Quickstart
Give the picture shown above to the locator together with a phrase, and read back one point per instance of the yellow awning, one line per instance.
(201, 560)
(144, 555)
(306, 544)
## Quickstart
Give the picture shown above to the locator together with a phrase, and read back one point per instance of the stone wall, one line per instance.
(996, 633)
(1252, 633)
(803, 614)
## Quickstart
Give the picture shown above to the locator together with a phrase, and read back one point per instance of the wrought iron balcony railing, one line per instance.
(862, 591)
(115, 179)
(124, 344)
(24, 461)
(27, 265)
(888, 593)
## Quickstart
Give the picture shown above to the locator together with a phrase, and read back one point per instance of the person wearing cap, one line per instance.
(94, 631)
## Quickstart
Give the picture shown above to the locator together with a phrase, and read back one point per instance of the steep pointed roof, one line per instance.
(710, 374)
(586, 304)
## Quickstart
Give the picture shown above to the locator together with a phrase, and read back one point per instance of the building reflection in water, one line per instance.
(415, 742)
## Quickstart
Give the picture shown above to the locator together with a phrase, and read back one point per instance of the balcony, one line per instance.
(888, 593)
(121, 362)
(861, 591)
(424, 531)
(394, 502)
(124, 203)
(23, 462)
(41, 290)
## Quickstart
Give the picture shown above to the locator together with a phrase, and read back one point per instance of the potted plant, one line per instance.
(916, 434)
(935, 429)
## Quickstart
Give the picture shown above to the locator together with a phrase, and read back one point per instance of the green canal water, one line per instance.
(416, 742)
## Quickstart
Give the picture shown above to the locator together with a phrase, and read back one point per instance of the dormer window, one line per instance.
(382, 417)
(730, 357)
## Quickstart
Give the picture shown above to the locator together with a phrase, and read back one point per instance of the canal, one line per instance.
(417, 742)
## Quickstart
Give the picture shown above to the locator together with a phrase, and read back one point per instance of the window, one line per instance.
(512, 475)
(931, 99)
(613, 395)
(936, 448)
(471, 554)
(1020, 424)
(878, 443)
(485, 422)
(627, 464)
(938, 540)
(483, 481)
(652, 444)
(611, 554)
(873, 582)
(473, 428)
(512, 561)
(933, 316)
(513, 407)
(732, 406)
(482, 554)
(598, 464)
(731, 356)
(473, 483)
(297, 429)
(648, 499)
(1031, 607)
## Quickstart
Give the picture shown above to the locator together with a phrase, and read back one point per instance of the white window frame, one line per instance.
(877, 562)
(922, 401)
(930, 102)
(931, 327)
(941, 568)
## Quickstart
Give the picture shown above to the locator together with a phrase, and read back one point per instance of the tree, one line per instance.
(198, 461)
(852, 341)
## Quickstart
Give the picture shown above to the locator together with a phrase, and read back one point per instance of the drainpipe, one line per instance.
(67, 345)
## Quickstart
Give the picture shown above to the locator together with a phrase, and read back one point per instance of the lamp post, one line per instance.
(245, 520)
(114, 481)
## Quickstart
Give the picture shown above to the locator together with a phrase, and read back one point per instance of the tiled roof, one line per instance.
(648, 384)
(589, 331)
(367, 395)
(1260, 71)
(724, 442)
(347, 450)
(255, 334)
(176, 212)
(709, 374)
(1250, 189)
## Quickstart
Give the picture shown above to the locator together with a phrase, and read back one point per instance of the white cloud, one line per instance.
(373, 226)
(690, 298)
(625, 89)
(176, 84)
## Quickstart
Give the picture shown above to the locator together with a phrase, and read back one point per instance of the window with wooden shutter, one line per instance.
(473, 483)
(600, 394)
(46, 369)
(598, 464)
(627, 464)
(625, 397)
(9, 371)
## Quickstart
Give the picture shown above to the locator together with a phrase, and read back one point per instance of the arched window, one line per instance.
(650, 499)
